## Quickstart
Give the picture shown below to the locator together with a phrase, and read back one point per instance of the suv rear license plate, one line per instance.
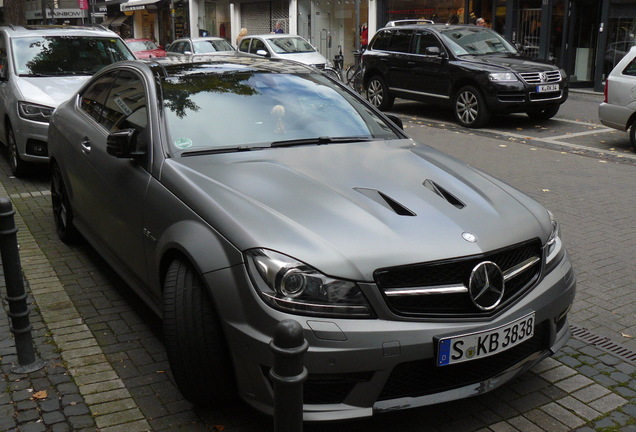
(458, 349)
(547, 88)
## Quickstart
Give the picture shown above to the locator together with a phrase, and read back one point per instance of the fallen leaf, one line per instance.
(219, 427)
(626, 335)
(502, 145)
(545, 190)
(602, 161)
(42, 394)
(519, 128)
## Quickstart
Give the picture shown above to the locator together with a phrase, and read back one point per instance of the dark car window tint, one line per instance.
(422, 41)
(126, 104)
(382, 40)
(245, 44)
(94, 98)
(400, 41)
(257, 44)
(631, 68)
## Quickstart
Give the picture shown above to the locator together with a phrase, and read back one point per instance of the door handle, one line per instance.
(86, 145)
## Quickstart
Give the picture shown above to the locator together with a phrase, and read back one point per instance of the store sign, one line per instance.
(57, 13)
(82, 4)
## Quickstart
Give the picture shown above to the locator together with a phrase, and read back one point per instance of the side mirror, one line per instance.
(432, 51)
(396, 120)
(123, 144)
(187, 52)
(443, 55)
(262, 53)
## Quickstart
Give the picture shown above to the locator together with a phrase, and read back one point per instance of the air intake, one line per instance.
(438, 190)
(385, 201)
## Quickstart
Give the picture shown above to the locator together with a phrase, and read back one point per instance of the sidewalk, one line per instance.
(106, 369)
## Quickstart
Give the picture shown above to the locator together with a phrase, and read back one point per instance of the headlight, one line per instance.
(35, 112)
(554, 246)
(502, 77)
(292, 286)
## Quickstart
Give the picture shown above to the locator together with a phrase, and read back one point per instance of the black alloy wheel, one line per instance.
(378, 93)
(470, 107)
(197, 351)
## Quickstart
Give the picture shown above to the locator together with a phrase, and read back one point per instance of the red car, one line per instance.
(145, 48)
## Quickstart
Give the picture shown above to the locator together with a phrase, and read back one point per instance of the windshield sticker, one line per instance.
(122, 105)
(183, 143)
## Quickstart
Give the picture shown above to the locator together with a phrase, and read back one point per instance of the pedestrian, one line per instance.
(481, 22)
(241, 35)
(278, 28)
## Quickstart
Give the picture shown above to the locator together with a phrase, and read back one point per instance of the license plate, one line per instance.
(458, 349)
(547, 88)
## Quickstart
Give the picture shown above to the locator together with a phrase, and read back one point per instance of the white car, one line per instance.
(618, 109)
(285, 46)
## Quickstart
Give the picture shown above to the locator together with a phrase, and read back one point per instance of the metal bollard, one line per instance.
(16, 296)
(288, 375)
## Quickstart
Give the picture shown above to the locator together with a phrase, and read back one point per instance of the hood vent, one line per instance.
(438, 190)
(385, 201)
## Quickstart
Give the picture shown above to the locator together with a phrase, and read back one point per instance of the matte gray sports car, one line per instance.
(237, 192)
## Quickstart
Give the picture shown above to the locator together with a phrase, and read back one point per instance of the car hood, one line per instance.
(310, 58)
(49, 91)
(511, 62)
(348, 209)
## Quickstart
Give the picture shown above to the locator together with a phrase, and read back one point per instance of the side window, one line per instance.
(257, 44)
(401, 41)
(126, 105)
(245, 44)
(631, 68)
(425, 40)
(94, 97)
(381, 40)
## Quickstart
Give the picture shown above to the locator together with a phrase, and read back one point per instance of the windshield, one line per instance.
(476, 41)
(142, 45)
(290, 45)
(242, 109)
(209, 46)
(66, 55)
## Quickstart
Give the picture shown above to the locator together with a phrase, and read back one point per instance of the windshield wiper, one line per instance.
(320, 140)
(222, 150)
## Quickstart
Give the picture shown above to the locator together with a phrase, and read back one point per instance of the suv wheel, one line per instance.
(543, 113)
(16, 164)
(378, 93)
(470, 107)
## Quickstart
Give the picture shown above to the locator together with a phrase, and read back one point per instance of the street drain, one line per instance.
(604, 343)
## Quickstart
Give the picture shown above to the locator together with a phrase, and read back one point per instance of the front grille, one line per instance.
(545, 96)
(456, 272)
(541, 77)
(511, 96)
(423, 377)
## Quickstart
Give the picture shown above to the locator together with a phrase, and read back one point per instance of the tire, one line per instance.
(632, 134)
(378, 93)
(332, 73)
(354, 79)
(197, 351)
(470, 107)
(17, 165)
(543, 113)
(62, 212)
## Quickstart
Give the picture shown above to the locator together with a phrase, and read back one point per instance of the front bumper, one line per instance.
(358, 367)
(521, 97)
(31, 140)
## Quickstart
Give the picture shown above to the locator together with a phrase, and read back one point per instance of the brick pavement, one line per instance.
(106, 368)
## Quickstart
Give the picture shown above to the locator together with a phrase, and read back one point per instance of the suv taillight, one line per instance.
(605, 90)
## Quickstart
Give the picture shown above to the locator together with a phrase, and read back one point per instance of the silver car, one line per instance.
(199, 45)
(239, 192)
(618, 108)
(41, 66)
(284, 46)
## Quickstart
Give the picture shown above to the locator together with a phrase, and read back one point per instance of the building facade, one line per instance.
(584, 37)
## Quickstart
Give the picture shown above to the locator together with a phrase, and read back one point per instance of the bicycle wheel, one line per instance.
(331, 73)
(351, 70)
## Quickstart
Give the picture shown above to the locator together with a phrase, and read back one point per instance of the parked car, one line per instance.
(145, 48)
(618, 109)
(469, 68)
(41, 66)
(198, 45)
(239, 192)
(285, 46)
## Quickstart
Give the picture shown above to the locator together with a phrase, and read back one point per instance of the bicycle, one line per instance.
(353, 76)
(334, 72)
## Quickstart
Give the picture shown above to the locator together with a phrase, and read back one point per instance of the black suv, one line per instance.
(472, 69)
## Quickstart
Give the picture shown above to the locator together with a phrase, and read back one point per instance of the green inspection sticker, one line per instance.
(183, 143)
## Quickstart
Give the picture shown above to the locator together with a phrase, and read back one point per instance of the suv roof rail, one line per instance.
(408, 21)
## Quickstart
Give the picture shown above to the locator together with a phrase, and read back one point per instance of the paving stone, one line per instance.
(564, 416)
(33, 427)
(574, 383)
(608, 403)
(53, 417)
(579, 407)
(545, 421)
(590, 393)
(558, 373)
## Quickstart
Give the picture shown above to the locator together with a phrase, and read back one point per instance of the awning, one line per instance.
(118, 21)
(108, 20)
(132, 5)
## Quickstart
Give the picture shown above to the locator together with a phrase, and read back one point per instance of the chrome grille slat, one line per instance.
(535, 77)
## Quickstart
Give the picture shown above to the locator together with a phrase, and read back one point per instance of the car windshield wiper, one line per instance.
(320, 140)
(217, 150)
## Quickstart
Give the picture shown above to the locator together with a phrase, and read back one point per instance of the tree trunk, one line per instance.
(14, 12)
